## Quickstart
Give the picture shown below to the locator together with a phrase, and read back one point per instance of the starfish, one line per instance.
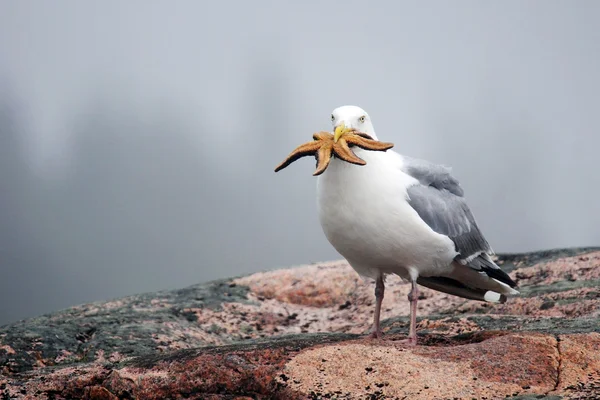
(325, 144)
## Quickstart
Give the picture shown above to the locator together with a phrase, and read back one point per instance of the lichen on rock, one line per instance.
(299, 333)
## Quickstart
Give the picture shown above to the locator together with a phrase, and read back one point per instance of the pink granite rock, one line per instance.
(298, 333)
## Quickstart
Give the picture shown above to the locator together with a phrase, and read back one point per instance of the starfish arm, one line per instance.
(306, 149)
(323, 146)
(364, 135)
(342, 150)
(368, 144)
(323, 158)
(323, 135)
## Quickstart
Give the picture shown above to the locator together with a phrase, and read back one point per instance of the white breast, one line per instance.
(365, 216)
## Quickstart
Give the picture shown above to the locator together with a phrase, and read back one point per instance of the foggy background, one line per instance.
(138, 139)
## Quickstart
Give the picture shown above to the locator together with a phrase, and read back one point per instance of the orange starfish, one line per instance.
(326, 144)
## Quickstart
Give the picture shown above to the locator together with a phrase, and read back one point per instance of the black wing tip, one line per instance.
(499, 275)
(485, 264)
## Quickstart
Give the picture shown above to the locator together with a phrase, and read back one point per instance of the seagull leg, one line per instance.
(379, 289)
(412, 298)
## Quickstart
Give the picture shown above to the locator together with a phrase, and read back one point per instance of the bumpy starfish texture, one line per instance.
(323, 147)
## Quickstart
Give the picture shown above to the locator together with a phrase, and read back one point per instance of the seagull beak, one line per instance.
(339, 131)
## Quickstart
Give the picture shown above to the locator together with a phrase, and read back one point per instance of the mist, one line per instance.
(138, 140)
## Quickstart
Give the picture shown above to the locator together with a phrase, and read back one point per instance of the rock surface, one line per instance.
(298, 333)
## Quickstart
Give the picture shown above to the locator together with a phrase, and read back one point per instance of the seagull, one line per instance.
(404, 216)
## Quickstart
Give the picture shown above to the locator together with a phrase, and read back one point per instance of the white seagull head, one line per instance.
(345, 118)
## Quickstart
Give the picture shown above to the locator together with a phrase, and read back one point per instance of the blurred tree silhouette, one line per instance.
(23, 259)
(133, 200)
(144, 191)
(12, 174)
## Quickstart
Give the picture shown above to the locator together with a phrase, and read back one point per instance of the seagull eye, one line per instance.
(362, 119)
(332, 117)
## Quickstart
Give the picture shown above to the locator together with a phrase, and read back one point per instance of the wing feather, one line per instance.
(438, 199)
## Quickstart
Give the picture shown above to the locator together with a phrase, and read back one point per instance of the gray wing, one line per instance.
(448, 214)
(439, 201)
(434, 175)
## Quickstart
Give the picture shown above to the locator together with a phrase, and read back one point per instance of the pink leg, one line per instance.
(379, 289)
(413, 297)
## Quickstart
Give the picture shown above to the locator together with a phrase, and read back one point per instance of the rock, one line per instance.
(298, 333)
(498, 366)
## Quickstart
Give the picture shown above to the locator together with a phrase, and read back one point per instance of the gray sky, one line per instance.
(152, 129)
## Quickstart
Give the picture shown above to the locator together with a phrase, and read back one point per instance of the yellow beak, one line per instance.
(339, 131)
